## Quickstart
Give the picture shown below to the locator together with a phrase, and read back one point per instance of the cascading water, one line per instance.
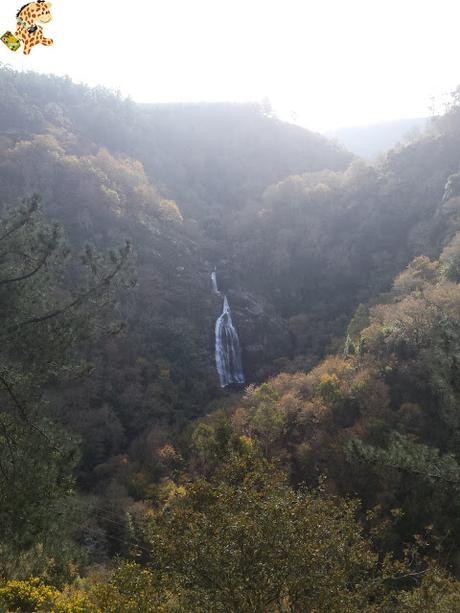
(228, 351)
(214, 283)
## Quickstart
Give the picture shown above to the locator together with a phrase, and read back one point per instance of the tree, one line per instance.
(49, 306)
(245, 541)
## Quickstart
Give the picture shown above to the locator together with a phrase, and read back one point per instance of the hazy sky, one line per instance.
(330, 62)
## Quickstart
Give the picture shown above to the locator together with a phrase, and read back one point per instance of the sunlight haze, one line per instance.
(321, 64)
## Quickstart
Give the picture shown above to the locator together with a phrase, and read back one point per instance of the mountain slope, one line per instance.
(203, 155)
(309, 246)
(375, 139)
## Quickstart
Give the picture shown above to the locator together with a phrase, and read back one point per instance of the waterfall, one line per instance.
(228, 352)
(214, 282)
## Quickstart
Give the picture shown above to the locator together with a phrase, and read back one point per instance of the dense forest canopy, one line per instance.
(129, 481)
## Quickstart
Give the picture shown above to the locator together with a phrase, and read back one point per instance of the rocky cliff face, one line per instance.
(264, 335)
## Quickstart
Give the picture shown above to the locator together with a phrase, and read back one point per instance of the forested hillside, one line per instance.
(129, 480)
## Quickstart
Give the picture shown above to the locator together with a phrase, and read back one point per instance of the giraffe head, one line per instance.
(36, 11)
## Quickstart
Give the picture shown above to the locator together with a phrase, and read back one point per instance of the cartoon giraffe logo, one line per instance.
(27, 29)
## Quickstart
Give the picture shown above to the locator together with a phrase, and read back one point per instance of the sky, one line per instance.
(323, 64)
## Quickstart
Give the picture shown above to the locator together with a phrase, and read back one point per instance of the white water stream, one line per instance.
(228, 351)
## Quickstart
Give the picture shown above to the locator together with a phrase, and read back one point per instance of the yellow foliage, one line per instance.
(170, 211)
(75, 602)
(169, 491)
(329, 379)
(31, 595)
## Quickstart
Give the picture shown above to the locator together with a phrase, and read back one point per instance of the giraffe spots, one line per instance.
(30, 14)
